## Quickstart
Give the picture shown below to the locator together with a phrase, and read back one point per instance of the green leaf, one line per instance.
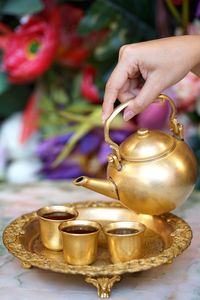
(140, 14)
(4, 84)
(193, 116)
(97, 17)
(45, 104)
(21, 7)
(14, 99)
(80, 106)
(111, 45)
(59, 96)
(75, 91)
(94, 119)
(142, 11)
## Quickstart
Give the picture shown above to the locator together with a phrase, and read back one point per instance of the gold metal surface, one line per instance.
(103, 284)
(26, 265)
(106, 187)
(50, 235)
(151, 172)
(174, 125)
(80, 248)
(146, 147)
(125, 240)
(165, 238)
(143, 132)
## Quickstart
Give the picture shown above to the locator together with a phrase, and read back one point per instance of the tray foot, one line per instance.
(103, 284)
(26, 265)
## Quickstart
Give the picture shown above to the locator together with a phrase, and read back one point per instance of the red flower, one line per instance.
(5, 32)
(71, 51)
(77, 49)
(88, 88)
(30, 118)
(30, 50)
(74, 49)
(52, 34)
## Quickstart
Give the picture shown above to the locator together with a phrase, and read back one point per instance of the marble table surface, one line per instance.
(178, 281)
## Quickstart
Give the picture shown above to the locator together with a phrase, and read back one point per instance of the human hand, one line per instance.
(145, 69)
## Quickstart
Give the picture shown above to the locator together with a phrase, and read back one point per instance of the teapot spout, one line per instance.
(102, 186)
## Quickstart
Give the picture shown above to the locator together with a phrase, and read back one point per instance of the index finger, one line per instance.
(116, 81)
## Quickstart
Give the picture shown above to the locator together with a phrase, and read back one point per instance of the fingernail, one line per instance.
(128, 115)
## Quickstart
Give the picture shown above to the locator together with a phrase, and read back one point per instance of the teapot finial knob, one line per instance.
(143, 132)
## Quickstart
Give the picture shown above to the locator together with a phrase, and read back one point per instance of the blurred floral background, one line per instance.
(56, 57)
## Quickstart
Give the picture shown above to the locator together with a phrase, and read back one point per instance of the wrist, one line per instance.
(193, 45)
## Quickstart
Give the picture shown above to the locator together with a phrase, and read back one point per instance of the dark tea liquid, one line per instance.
(78, 229)
(123, 231)
(58, 215)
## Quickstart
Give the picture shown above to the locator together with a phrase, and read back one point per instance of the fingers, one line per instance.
(129, 90)
(117, 79)
(122, 72)
(149, 92)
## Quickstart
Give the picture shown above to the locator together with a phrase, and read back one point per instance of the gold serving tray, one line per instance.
(166, 237)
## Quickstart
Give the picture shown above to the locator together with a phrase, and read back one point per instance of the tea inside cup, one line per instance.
(78, 229)
(50, 217)
(58, 215)
(123, 231)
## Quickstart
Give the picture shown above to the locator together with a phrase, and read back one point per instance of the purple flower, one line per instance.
(68, 169)
(52, 146)
(91, 144)
(197, 14)
(91, 141)
(154, 116)
(117, 136)
(103, 153)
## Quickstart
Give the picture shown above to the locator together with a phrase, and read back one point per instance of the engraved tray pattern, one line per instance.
(166, 237)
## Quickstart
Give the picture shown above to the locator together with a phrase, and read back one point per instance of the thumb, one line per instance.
(149, 92)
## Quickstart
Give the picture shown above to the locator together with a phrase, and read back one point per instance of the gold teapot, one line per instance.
(151, 172)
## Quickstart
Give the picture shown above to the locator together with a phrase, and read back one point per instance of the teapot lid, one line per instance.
(146, 145)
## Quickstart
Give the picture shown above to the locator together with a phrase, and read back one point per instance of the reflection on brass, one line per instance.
(151, 172)
(80, 241)
(165, 238)
(50, 235)
(124, 240)
(103, 284)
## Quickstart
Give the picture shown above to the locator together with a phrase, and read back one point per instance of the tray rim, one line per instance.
(181, 239)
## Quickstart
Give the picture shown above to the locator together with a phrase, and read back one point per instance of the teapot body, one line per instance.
(156, 186)
(151, 172)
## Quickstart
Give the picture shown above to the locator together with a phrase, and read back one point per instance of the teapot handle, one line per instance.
(175, 126)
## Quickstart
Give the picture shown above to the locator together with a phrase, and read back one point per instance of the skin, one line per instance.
(145, 69)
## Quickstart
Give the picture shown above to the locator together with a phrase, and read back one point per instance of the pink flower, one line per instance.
(187, 92)
(194, 28)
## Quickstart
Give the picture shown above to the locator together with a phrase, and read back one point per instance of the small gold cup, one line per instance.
(50, 217)
(124, 240)
(80, 241)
